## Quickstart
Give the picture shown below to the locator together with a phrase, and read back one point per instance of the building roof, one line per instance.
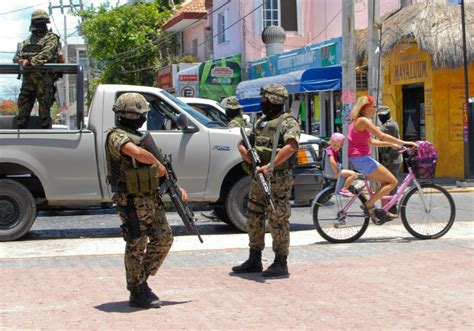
(190, 12)
(434, 26)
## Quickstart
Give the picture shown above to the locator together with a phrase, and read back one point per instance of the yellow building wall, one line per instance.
(448, 99)
(443, 96)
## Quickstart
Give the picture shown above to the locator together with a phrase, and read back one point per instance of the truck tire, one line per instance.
(236, 203)
(17, 210)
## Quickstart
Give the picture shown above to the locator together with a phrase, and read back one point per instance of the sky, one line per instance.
(15, 18)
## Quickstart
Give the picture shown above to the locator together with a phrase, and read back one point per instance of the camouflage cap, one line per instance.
(40, 16)
(231, 103)
(131, 105)
(275, 93)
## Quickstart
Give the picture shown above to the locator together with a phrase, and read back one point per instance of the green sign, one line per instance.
(219, 78)
(328, 55)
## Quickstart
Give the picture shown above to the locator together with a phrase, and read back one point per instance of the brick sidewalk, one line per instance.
(383, 284)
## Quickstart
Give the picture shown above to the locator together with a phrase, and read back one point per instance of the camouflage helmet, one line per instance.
(131, 106)
(275, 93)
(40, 16)
(231, 103)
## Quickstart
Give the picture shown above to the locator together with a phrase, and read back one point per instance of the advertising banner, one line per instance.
(219, 78)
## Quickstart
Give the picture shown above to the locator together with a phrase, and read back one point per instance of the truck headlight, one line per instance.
(306, 155)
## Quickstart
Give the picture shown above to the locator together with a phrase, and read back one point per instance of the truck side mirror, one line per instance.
(183, 123)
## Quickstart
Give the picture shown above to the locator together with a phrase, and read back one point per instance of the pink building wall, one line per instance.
(320, 21)
(234, 45)
(198, 32)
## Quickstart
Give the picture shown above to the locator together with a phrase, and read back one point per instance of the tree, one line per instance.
(8, 107)
(12, 90)
(127, 42)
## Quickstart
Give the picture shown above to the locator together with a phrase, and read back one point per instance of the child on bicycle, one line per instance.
(359, 137)
(331, 164)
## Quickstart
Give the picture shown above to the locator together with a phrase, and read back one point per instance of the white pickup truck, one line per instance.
(66, 168)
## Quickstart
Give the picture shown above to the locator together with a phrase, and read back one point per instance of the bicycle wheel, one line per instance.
(339, 219)
(430, 221)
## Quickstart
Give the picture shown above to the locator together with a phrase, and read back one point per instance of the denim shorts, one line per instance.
(364, 164)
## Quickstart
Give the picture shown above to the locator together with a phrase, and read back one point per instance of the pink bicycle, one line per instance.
(427, 210)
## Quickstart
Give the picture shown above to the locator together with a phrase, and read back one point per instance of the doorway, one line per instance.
(413, 112)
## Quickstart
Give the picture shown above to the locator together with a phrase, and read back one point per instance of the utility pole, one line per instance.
(374, 50)
(348, 68)
(66, 55)
(467, 110)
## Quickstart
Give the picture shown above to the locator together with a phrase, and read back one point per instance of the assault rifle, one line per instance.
(169, 185)
(17, 59)
(260, 177)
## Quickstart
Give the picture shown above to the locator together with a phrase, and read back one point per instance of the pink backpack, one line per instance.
(425, 160)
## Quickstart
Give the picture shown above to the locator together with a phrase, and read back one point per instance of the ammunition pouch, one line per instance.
(141, 180)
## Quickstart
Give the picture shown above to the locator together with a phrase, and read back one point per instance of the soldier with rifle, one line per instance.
(134, 174)
(275, 138)
(41, 47)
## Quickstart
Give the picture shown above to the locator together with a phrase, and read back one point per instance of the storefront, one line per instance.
(428, 103)
(312, 76)
(310, 91)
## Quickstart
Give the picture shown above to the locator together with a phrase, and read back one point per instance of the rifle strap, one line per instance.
(276, 138)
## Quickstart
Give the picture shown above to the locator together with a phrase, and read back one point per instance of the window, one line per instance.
(161, 116)
(223, 35)
(280, 13)
(194, 47)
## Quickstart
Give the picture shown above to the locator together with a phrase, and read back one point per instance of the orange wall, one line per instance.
(444, 96)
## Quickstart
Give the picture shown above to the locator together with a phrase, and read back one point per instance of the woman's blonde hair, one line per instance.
(362, 102)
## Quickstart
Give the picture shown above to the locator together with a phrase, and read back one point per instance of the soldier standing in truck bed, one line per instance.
(41, 47)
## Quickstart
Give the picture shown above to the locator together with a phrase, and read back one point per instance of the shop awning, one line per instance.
(310, 80)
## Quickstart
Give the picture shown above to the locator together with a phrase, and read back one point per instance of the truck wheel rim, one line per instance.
(9, 212)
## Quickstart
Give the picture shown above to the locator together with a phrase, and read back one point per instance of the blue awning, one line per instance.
(310, 80)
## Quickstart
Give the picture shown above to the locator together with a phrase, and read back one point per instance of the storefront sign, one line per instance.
(188, 82)
(165, 77)
(328, 55)
(317, 55)
(410, 71)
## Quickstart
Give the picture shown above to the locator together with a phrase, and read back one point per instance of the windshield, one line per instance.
(194, 113)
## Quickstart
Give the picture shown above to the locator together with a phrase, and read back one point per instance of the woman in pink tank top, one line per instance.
(359, 137)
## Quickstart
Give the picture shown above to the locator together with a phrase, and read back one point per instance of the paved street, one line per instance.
(387, 279)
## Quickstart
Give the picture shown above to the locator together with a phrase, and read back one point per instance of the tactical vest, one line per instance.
(127, 175)
(264, 136)
(34, 44)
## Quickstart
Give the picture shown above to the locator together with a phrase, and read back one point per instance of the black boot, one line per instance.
(139, 297)
(253, 264)
(279, 267)
(150, 292)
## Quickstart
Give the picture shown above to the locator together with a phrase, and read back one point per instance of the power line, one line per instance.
(240, 19)
(156, 41)
(16, 10)
(207, 39)
(325, 28)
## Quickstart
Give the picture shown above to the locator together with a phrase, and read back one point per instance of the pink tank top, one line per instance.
(358, 142)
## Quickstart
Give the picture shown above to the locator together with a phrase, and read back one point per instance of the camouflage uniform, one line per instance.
(281, 185)
(41, 47)
(233, 110)
(237, 122)
(145, 253)
(135, 186)
(263, 134)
